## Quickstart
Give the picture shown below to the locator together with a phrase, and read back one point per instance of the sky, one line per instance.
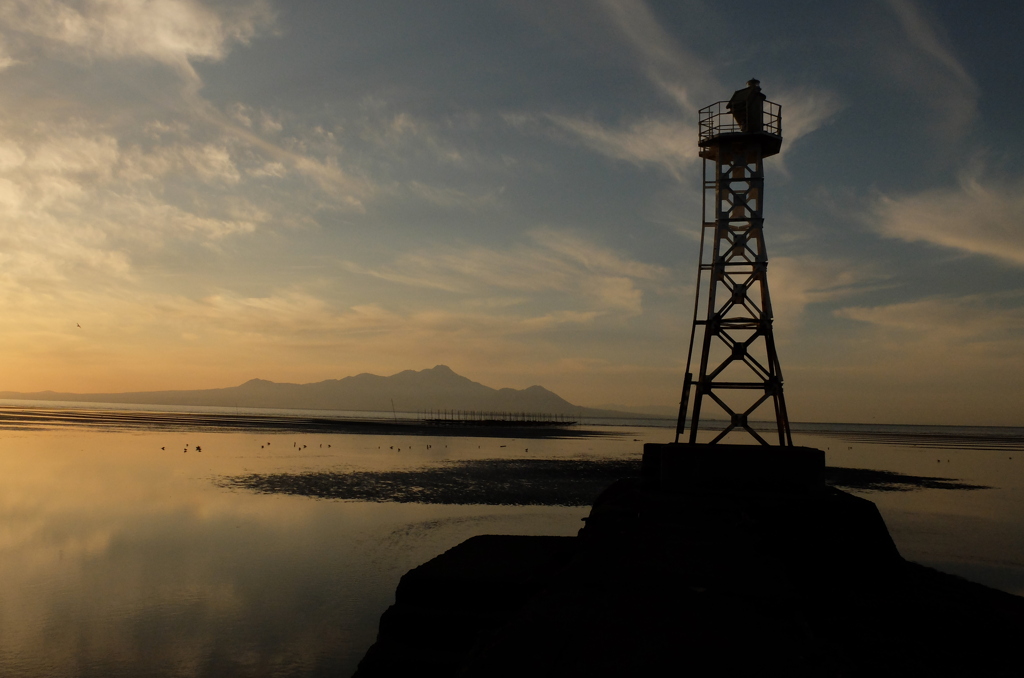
(194, 193)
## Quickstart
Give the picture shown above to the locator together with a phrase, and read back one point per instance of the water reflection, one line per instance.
(121, 556)
(978, 535)
(118, 558)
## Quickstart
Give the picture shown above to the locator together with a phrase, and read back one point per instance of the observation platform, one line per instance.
(760, 128)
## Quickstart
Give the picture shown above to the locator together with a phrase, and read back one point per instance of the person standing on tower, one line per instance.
(745, 106)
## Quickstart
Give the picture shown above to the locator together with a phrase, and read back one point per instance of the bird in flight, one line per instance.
(79, 326)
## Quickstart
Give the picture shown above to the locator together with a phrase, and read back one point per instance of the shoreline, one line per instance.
(29, 419)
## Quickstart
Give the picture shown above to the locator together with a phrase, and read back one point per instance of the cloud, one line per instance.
(942, 359)
(987, 320)
(297, 319)
(450, 197)
(11, 155)
(680, 74)
(283, 314)
(211, 163)
(924, 35)
(926, 64)
(36, 255)
(666, 142)
(157, 222)
(685, 78)
(78, 206)
(595, 258)
(168, 31)
(74, 154)
(342, 187)
(175, 33)
(268, 169)
(800, 281)
(6, 60)
(979, 216)
(402, 135)
(554, 262)
(147, 164)
(804, 110)
(671, 145)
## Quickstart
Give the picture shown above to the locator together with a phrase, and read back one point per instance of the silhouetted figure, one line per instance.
(745, 106)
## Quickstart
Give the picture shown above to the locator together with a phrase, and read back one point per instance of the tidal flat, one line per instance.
(523, 482)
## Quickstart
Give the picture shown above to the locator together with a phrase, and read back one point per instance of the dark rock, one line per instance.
(676, 575)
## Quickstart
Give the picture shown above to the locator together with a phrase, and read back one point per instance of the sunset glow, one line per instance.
(194, 193)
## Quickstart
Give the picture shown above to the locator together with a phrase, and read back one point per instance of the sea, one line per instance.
(128, 549)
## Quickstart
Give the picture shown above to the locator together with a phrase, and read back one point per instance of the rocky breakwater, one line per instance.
(719, 560)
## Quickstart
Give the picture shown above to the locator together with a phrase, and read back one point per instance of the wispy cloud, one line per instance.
(176, 33)
(286, 315)
(680, 74)
(797, 282)
(979, 216)
(804, 110)
(344, 187)
(555, 261)
(671, 145)
(924, 34)
(92, 185)
(75, 202)
(304, 322)
(447, 197)
(926, 64)
(212, 163)
(689, 81)
(666, 142)
(169, 31)
(985, 319)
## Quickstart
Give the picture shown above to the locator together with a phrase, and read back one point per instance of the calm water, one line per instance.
(120, 556)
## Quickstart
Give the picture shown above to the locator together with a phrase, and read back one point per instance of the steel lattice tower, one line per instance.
(738, 367)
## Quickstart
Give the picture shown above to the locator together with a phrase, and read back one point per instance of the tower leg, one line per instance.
(738, 365)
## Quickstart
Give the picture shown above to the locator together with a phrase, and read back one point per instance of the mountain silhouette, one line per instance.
(438, 388)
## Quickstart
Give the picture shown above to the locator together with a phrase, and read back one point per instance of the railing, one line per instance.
(717, 119)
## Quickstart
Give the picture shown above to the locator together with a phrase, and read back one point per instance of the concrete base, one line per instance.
(686, 467)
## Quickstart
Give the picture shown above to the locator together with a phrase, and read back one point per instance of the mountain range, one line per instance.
(438, 388)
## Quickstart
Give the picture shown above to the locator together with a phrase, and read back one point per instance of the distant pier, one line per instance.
(487, 418)
(449, 423)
